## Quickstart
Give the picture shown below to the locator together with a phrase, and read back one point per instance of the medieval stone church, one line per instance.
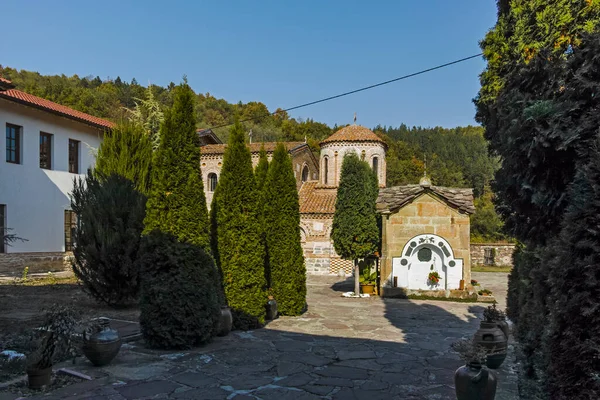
(317, 182)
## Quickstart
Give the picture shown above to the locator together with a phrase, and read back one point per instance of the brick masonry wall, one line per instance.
(13, 264)
(426, 214)
(504, 253)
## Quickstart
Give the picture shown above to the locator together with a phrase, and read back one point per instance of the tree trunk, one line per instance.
(356, 278)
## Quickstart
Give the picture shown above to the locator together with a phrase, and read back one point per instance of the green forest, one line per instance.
(451, 157)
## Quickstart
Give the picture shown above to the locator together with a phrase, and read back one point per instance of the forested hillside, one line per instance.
(455, 157)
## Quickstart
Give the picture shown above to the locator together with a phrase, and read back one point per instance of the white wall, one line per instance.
(36, 198)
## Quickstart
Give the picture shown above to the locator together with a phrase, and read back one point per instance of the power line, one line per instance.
(358, 90)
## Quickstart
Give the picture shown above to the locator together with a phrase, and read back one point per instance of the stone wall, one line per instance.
(503, 253)
(320, 257)
(426, 214)
(13, 264)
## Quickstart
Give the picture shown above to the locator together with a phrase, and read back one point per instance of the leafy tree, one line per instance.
(179, 305)
(282, 221)
(110, 214)
(126, 151)
(237, 234)
(486, 225)
(355, 232)
(177, 204)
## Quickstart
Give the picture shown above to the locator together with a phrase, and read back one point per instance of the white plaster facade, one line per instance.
(34, 198)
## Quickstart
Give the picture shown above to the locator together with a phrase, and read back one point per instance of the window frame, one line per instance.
(326, 170)
(49, 149)
(307, 177)
(211, 187)
(17, 147)
(70, 224)
(77, 144)
(3, 227)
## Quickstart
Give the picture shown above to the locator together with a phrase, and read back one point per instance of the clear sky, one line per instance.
(281, 53)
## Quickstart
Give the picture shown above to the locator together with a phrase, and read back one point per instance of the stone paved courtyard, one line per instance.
(340, 349)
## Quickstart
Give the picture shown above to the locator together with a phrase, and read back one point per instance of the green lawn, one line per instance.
(487, 268)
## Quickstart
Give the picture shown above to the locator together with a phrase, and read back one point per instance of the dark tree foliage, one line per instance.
(237, 234)
(110, 214)
(574, 341)
(486, 225)
(355, 232)
(260, 174)
(261, 170)
(177, 204)
(282, 224)
(126, 150)
(179, 306)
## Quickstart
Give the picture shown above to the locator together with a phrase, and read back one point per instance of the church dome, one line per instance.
(353, 133)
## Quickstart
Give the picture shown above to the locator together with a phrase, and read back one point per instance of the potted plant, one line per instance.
(271, 306)
(54, 340)
(433, 278)
(473, 381)
(492, 314)
(492, 338)
(368, 280)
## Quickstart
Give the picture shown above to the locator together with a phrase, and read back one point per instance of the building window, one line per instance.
(325, 170)
(73, 156)
(2, 227)
(13, 143)
(376, 165)
(212, 182)
(489, 256)
(305, 173)
(70, 226)
(45, 150)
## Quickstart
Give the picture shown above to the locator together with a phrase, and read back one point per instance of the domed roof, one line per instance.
(353, 133)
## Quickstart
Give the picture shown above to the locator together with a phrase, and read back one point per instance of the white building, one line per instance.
(44, 148)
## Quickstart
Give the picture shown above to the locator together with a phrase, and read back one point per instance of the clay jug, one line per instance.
(491, 337)
(475, 382)
(103, 345)
(225, 321)
(503, 325)
(271, 309)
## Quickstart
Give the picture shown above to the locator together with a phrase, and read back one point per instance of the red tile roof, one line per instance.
(47, 105)
(317, 199)
(354, 133)
(5, 81)
(254, 147)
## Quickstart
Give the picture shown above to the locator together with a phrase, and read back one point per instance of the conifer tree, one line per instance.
(260, 174)
(282, 224)
(237, 234)
(261, 170)
(355, 232)
(177, 204)
(126, 151)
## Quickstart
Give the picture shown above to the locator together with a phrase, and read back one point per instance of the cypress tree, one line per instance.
(261, 170)
(177, 204)
(260, 174)
(126, 151)
(282, 223)
(355, 232)
(237, 234)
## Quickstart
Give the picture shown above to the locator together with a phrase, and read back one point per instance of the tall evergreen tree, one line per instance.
(260, 172)
(355, 232)
(126, 151)
(237, 234)
(177, 204)
(282, 224)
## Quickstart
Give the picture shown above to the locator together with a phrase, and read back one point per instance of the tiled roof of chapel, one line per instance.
(27, 99)
(393, 198)
(354, 133)
(254, 147)
(317, 199)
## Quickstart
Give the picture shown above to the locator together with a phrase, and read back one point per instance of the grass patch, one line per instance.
(472, 299)
(491, 268)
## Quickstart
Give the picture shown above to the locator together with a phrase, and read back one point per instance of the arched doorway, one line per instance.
(305, 173)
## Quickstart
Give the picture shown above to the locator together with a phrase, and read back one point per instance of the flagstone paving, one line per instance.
(341, 348)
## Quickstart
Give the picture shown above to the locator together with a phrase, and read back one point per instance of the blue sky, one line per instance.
(281, 53)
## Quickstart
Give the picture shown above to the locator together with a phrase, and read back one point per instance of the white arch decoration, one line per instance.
(424, 254)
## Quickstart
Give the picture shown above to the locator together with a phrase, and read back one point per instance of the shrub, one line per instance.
(110, 215)
(179, 305)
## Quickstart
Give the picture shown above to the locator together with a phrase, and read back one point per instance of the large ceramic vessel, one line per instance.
(272, 312)
(491, 337)
(102, 346)
(475, 382)
(225, 322)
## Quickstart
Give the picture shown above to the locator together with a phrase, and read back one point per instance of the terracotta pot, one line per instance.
(271, 309)
(225, 322)
(475, 382)
(367, 289)
(503, 325)
(491, 337)
(39, 377)
(103, 346)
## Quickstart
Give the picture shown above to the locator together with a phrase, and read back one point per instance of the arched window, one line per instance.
(212, 182)
(325, 170)
(376, 166)
(305, 173)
